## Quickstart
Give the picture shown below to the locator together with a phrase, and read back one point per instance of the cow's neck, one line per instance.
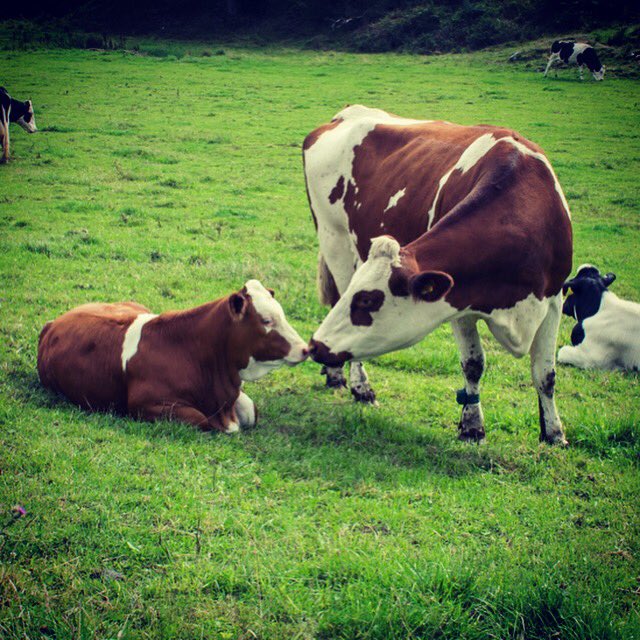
(205, 332)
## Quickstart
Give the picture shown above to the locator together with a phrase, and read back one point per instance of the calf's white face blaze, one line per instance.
(370, 319)
(273, 319)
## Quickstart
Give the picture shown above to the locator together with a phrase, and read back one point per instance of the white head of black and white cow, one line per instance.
(18, 111)
(385, 308)
(26, 117)
(585, 296)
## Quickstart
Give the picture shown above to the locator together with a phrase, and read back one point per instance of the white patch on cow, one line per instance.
(535, 154)
(132, 337)
(245, 410)
(477, 150)
(394, 199)
(326, 161)
(515, 327)
(232, 427)
(257, 369)
(470, 156)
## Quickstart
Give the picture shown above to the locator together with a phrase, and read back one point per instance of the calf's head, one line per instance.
(260, 332)
(585, 292)
(387, 306)
(25, 116)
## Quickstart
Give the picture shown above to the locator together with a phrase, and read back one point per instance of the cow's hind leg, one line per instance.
(471, 425)
(543, 374)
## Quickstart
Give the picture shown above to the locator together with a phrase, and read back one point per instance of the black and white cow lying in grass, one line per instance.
(12, 110)
(578, 53)
(607, 335)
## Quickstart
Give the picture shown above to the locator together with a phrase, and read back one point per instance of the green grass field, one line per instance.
(171, 182)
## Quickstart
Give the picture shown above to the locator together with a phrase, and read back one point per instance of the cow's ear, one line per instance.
(608, 279)
(567, 285)
(430, 285)
(237, 305)
(27, 104)
(271, 291)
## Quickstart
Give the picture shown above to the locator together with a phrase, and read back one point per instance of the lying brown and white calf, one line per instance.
(181, 365)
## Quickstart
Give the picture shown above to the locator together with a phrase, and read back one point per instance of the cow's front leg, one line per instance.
(543, 374)
(335, 377)
(360, 387)
(246, 411)
(551, 61)
(4, 133)
(465, 332)
(581, 72)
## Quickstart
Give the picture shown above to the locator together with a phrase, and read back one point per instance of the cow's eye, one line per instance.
(364, 302)
(267, 322)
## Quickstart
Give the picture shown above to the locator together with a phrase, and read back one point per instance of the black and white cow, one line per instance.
(607, 335)
(12, 110)
(579, 53)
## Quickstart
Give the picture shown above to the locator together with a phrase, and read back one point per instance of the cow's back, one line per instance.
(369, 173)
(79, 354)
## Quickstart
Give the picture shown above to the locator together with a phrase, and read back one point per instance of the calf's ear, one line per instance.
(237, 305)
(271, 291)
(430, 285)
(608, 279)
(567, 285)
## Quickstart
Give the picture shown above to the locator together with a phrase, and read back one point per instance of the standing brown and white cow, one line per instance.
(421, 223)
(183, 365)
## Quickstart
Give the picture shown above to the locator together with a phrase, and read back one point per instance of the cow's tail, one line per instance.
(327, 290)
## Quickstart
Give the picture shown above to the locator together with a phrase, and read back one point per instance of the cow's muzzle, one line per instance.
(322, 354)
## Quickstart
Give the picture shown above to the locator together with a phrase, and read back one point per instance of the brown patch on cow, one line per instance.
(322, 354)
(363, 304)
(399, 282)
(312, 138)
(500, 229)
(337, 192)
(472, 368)
(273, 347)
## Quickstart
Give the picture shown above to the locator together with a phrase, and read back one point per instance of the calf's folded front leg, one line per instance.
(223, 422)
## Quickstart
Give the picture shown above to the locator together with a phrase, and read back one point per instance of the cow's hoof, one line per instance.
(471, 435)
(335, 380)
(555, 439)
(366, 396)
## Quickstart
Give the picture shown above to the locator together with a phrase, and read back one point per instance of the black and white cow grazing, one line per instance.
(578, 53)
(12, 110)
(607, 335)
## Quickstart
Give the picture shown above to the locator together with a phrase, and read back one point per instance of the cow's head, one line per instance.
(585, 292)
(388, 306)
(261, 334)
(25, 116)
(599, 73)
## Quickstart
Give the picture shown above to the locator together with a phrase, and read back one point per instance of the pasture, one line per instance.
(173, 181)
